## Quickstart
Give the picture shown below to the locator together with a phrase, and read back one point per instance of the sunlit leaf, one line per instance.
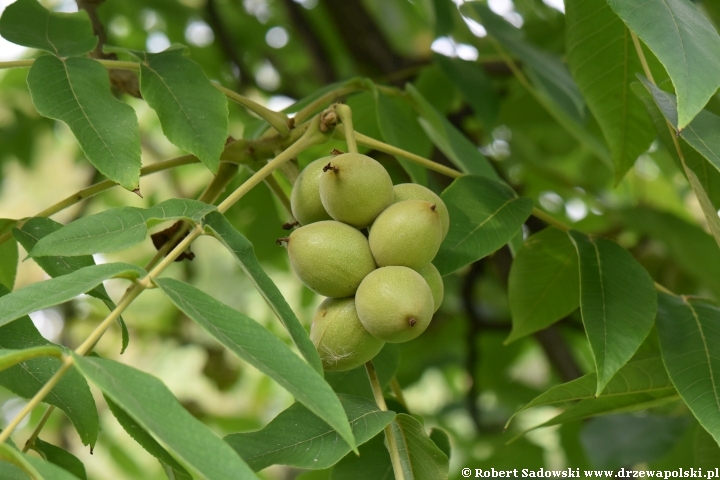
(686, 43)
(484, 216)
(149, 402)
(77, 92)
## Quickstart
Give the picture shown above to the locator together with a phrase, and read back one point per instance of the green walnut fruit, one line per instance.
(331, 258)
(413, 191)
(433, 278)
(340, 338)
(354, 189)
(408, 233)
(395, 304)
(305, 199)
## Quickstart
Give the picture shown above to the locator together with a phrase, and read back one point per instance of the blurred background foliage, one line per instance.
(458, 375)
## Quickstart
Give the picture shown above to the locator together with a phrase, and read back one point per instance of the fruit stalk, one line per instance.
(345, 115)
(389, 436)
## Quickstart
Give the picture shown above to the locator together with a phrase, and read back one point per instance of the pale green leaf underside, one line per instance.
(451, 142)
(256, 345)
(77, 92)
(57, 290)
(686, 43)
(543, 286)
(603, 61)
(300, 439)
(484, 216)
(689, 331)
(27, 23)
(420, 458)
(117, 228)
(243, 251)
(149, 402)
(193, 114)
(617, 301)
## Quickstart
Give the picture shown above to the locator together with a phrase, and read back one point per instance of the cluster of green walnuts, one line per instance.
(366, 245)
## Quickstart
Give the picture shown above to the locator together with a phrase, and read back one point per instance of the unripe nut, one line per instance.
(340, 338)
(331, 258)
(413, 191)
(305, 198)
(408, 233)
(433, 278)
(395, 304)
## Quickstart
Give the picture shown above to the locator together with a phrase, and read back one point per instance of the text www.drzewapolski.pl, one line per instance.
(577, 473)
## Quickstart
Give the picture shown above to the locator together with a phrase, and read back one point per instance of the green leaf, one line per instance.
(71, 395)
(141, 436)
(40, 227)
(689, 331)
(547, 71)
(420, 458)
(484, 216)
(373, 462)
(441, 439)
(149, 402)
(77, 92)
(684, 41)
(637, 382)
(618, 303)
(193, 113)
(8, 358)
(450, 141)
(399, 127)
(256, 345)
(29, 24)
(470, 78)
(603, 61)
(8, 256)
(300, 439)
(34, 467)
(117, 228)
(704, 181)
(60, 457)
(51, 292)
(543, 286)
(244, 253)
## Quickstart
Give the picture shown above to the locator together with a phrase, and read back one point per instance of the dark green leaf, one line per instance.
(684, 41)
(616, 441)
(399, 127)
(61, 289)
(689, 331)
(71, 395)
(300, 439)
(420, 458)
(256, 345)
(441, 439)
(76, 91)
(60, 457)
(450, 141)
(603, 61)
(29, 24)
(638, 381)
(141, 436)
(193, 113)
(35, 229)
(8, 358)
(373, 462)
(244, 253)
(148, 401)
(8, 256)
(117, 228)
(473, 82)
(484, 216)
(443, 17)
(34, 467)
(543, 286)
(617, 301)
(547, 70)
